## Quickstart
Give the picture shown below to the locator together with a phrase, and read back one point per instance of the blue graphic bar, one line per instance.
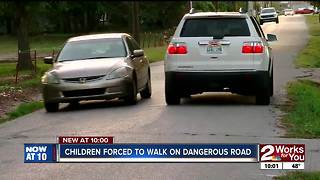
(158, 153)
(40, 153)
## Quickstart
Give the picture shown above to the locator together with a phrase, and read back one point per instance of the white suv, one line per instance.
(212, 52)
(268, 15)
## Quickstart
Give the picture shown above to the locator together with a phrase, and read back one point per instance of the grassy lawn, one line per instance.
(23, 109)
(42, 43)
(300, 176)
(310, 56)
(303, 118)
(155, 53)
(9, 69)
(47, 43)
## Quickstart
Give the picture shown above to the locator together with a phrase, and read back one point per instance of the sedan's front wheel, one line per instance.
(51, 107)
(132, 96)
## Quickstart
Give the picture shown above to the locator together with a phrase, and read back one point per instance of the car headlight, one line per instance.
(118, 73)
(50, 78)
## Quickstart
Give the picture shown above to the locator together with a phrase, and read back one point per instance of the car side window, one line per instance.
(130, 45)
(134, 43)
(257, 27)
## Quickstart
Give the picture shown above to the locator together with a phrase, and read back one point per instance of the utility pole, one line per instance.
(250, 8)
(135, 21)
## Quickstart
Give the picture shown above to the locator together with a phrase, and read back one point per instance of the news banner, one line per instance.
(103, 149)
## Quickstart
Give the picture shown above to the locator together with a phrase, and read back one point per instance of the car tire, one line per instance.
(51, 107)
(132, 96)
(74, 103)
(271, 84)
(277, 20)
(263, 94)
(172, 97)
(147, 91)
(261, 22)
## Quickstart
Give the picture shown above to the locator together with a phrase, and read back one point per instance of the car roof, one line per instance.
(98, 36)
(217, 14)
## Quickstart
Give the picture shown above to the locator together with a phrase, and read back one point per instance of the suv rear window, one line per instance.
(211, 27)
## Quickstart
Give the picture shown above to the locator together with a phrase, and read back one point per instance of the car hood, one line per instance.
(86, 68)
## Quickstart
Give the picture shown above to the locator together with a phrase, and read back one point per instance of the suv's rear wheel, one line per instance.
(263, 94)
(172, 97)
(51, 107)
(271, 84)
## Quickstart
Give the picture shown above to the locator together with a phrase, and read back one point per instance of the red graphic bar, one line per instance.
(85, 140)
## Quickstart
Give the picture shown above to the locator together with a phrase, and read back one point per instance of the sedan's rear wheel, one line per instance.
(51, 107)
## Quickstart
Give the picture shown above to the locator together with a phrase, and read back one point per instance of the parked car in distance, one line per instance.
(268, 15)
(218, 52)
(288, 12)
(99, 66)
(304, 11)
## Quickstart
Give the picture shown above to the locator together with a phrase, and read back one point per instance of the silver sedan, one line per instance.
(100, 66)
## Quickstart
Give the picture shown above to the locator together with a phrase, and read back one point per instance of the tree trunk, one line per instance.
(8, 25)
(135, 21)
(24, 58)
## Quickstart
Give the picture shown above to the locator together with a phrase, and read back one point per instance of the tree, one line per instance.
(135, 21)
(316, 4)
(22, 26)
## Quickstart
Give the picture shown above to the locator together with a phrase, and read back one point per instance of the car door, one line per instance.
(144, 63)
(136, 62)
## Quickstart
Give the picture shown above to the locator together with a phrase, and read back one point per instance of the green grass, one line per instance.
(9, 69)
(309, 57)
(300, 176)
(23, 109)
(42, 43)
(303, 117)
(155, 53)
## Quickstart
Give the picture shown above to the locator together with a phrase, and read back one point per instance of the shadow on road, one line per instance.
(99, 104)
(219, 99)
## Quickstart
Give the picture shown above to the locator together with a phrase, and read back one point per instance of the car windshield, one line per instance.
(267, 10)
(92, 49)
(212, 27)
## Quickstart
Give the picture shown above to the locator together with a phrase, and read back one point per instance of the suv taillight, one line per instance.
(252, 47)
(177, 48)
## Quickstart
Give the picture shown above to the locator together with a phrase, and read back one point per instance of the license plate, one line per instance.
(214, 49)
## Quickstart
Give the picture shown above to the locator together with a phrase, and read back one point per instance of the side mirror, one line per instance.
(271, 37)
(48, 60)
(138, 53)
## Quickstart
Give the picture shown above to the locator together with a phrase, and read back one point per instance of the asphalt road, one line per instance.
(206, 118)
